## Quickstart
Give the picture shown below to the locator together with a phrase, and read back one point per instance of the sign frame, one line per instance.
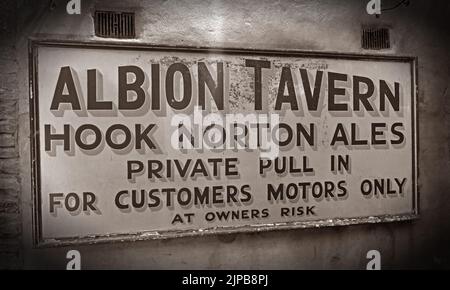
(39, 241)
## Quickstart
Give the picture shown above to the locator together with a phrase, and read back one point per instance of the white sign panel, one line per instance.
(142, 142)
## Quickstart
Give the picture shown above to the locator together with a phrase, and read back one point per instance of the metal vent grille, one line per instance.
(375, 38)
(114, 24)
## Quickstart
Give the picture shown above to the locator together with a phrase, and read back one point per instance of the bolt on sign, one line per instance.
(135, 142)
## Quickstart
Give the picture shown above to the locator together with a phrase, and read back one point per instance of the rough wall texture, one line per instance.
(10, 218)
(327, 25)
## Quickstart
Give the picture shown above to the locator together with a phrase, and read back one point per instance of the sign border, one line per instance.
(39, 241)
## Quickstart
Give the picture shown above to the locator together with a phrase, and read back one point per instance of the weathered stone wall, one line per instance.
(421, 30)
(10, 218)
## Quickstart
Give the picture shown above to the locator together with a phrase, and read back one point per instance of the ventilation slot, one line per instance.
(114, 24)
(375, 38)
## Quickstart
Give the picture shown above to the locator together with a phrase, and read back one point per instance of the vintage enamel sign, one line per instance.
(137, 142)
